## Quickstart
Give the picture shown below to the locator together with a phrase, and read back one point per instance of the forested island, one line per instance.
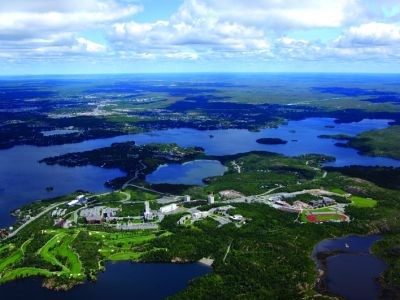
(271, 141)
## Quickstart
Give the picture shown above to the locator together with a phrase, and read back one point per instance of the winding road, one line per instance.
(34, 218)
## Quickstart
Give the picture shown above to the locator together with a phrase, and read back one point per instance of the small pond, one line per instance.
(353, 272)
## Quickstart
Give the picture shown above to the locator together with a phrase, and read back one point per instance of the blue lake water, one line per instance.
(23, 179)
(122, 280)
(353, 274)
(191, 173)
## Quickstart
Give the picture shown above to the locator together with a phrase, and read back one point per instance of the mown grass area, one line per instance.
(140, 195)
(305, 212)
(338, 191)
(25, 272)
(130, 194)
(363, 202)
(328, 217)
(58, 255)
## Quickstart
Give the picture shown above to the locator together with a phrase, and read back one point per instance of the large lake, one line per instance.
(23, 179)
(353, 274)
(122, 280)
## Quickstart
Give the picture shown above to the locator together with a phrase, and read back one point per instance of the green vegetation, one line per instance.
(270, 251)
(383, 142)
(386, 177)
(260, 172)
(338, 191)
(362, 202)
(389, 250)
(72, 255)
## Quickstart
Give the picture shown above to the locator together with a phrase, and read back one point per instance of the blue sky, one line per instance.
(131, 36)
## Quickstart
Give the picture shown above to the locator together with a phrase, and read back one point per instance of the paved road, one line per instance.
(125, 185)
(34, 218)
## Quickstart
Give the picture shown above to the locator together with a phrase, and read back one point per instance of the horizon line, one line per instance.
(199, 72)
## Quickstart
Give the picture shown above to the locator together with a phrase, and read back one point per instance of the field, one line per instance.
(363, 202)
(62, 258)
(325, 217)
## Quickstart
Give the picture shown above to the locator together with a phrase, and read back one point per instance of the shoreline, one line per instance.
(320, 284)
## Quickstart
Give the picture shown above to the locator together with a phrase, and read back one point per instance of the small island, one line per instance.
(271, 141)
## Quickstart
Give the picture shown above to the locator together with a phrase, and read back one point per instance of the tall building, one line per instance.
(148, 215)
(186, 198)
(210, 198)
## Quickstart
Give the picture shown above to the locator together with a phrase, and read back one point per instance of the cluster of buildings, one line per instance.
(325, 201)
(230, 194)
(277, 201)
(99, 214)
(63, 223)
(219, 214)
(58, 212)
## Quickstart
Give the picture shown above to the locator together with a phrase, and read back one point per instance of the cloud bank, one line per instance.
(200, 30)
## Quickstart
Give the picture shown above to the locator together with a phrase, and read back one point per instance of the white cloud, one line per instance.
(278, 14)
(194, 28)
(29, 28)
(26, 19)
(183, 55)
(90, 46)
(369, 35)
(200, 30)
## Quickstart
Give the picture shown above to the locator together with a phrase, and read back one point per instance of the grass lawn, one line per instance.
(362, 202)
(338, 191)
(59, 247)
(25, 272)
(10, 260)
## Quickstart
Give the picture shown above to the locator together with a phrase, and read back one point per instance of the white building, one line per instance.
(210, 199)
(237, 218)
(186, 198)
(200, 215)
(73, 203)
(79, 200)
(168, 208)
(148, 215)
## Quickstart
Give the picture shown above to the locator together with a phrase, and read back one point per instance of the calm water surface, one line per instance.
(122, 280)
(353, 274)
(191, 173)
(23, 179)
